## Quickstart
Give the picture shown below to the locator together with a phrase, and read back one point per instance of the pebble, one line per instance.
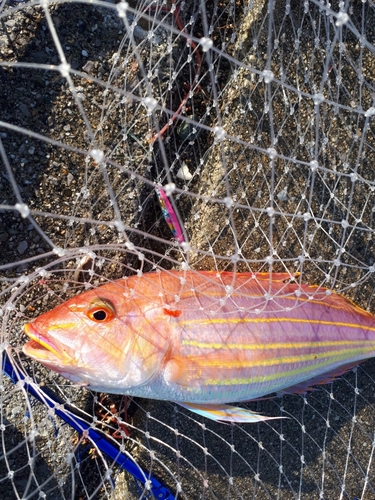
(88, 67)
(184, 173)
(40, 57)
(69, 179)
(24, 110)
(22, 247)
(283, 195)
(140, 32)
(10, 23)
(21, 269)
(16, 410)
(186, 130)
(56, 21)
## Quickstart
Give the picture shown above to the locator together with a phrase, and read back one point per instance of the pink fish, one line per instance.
(203, 339)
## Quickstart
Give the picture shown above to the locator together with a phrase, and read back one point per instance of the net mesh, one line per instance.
(257, 120)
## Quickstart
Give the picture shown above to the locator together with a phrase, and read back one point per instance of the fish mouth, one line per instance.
(39, 347)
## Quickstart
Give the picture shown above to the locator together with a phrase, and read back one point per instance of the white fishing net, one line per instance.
(258, 119)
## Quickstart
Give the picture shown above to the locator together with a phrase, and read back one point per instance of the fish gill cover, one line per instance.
(203, 135)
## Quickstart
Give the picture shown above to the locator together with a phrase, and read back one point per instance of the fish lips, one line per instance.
(41, 347)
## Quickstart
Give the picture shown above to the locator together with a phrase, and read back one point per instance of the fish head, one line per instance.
(99, 339)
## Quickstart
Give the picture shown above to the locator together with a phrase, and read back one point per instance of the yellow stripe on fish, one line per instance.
(219, 362)
(276, 345)
(275, 376)
(219, 321)
(63, 325)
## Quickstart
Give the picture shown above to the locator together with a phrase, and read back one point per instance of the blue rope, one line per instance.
(48, 398)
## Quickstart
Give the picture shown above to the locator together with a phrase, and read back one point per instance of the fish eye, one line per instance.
(101, 311)
(100, 315)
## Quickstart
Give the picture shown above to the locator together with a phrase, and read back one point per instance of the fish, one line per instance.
(203, 339)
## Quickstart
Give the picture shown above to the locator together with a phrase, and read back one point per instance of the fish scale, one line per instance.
(203, 339)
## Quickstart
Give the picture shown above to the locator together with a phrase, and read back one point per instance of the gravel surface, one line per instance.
(325, 447)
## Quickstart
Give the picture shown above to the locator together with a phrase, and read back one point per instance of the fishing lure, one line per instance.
(169, 214)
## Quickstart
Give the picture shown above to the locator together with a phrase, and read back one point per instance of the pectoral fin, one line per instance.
(226, 413)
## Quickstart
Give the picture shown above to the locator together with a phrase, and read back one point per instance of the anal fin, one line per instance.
(324, 378)
(226, 413)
